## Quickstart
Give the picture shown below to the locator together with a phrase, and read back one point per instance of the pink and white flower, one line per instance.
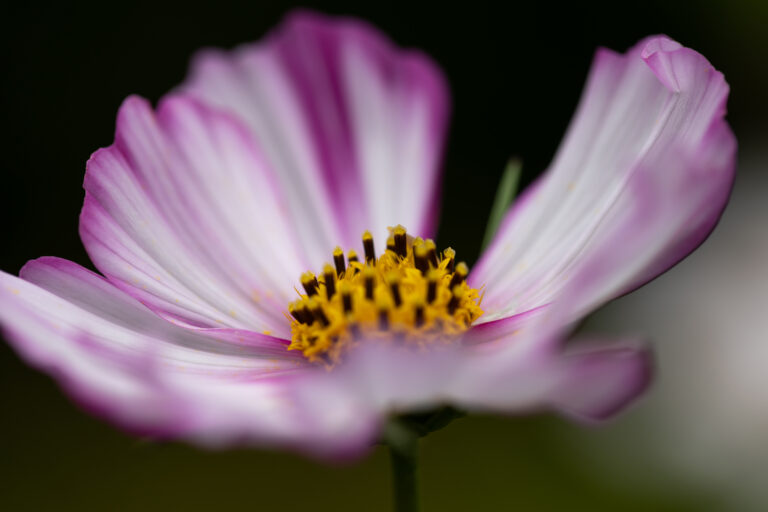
(205, 210)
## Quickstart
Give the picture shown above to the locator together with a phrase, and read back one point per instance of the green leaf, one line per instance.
(504, 197)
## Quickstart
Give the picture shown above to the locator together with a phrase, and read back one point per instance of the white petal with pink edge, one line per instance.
(352, 125)
(657, 109)
(214, 386)
(182, 212)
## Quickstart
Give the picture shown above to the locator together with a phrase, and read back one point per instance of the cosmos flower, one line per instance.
(209, 214)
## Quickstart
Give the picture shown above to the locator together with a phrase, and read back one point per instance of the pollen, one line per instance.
(411, 294)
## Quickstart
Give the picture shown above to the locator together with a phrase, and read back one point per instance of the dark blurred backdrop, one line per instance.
(516, 74)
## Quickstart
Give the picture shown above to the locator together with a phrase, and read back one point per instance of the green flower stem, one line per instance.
(403, 450)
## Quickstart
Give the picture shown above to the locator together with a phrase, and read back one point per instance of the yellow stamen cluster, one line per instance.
(410, 294)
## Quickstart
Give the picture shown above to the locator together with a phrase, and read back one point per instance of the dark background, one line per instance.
(516, 74)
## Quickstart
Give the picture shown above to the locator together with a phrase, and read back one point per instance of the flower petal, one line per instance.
(353, 125)
(664, 212)
(501, 328)
(658, 109)
(622, 254)
(599, 381)
(80, 302)
(124, 363)
(181, 212)
(533, 373)
(531, 369)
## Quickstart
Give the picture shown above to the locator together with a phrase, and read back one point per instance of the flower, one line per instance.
(205, 211)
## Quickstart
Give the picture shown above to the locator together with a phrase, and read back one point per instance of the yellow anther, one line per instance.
(370, 252)
(352, 257)
(432, 277)
(345, 289)
(421, 257)
(400, 241)
(329, 275)
(309, 282)
(292, 311)
(338, 260)
(393, 280)
(460, 275)
(383, 298)
(431, 252)
(383, 306)
(317, 311)
(418, 310)
(369, 276)
(303, 307)
(391, 243)
(457, 293)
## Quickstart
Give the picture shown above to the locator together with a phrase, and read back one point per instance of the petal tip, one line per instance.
(677, 67)
(606, 381)
(658, 43)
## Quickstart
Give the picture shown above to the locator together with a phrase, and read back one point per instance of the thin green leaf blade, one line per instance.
(505, 194)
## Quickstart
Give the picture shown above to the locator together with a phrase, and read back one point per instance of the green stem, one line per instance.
(404, 456)
(404, 486)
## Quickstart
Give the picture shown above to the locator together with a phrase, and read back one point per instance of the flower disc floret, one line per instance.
(410, 294)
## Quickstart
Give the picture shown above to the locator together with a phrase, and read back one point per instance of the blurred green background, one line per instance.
(516, 73)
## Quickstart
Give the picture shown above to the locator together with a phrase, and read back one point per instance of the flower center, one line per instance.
(410, 294)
